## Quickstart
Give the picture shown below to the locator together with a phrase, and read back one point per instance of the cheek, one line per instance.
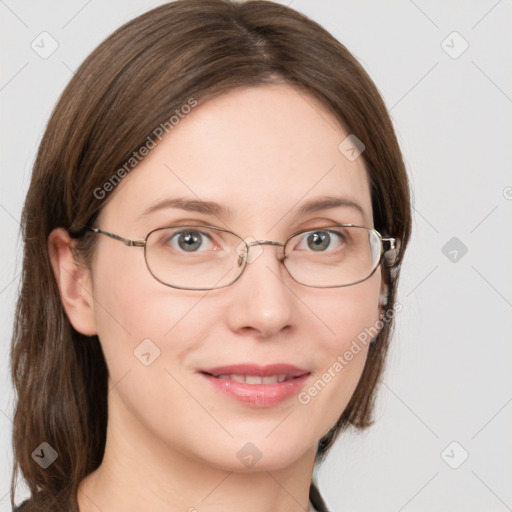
(134, 312)
(350, 313)
(352, 319)
(146, 329)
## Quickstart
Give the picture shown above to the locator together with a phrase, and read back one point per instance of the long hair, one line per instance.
(131, 84)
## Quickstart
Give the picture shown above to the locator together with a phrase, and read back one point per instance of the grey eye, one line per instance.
(319, 240)
(189, 240)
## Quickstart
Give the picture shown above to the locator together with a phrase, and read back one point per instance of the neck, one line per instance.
(138, 472)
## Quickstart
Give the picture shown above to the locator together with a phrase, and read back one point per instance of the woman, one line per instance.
(213, 236)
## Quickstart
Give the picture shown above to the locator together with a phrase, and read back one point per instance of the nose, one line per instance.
(263, 303)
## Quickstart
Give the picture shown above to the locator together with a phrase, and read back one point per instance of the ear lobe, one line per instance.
(73, 281)
(383, 296)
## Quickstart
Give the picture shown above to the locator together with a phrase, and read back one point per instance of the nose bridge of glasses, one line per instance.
(280, 253)
(264, 242)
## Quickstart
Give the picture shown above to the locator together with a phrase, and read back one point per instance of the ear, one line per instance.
(74, 282)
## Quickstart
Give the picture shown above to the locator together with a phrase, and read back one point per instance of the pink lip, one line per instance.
(258, 395)
(254, 369)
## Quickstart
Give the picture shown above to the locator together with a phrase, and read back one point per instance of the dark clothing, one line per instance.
(316, 499)
(20, 507)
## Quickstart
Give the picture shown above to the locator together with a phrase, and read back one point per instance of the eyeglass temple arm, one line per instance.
(129, 243)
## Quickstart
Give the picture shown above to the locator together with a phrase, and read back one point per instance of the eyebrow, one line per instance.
(329, 202)
(190, 205)
(216, 209)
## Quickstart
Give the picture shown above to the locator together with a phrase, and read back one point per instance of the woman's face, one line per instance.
(261, 153)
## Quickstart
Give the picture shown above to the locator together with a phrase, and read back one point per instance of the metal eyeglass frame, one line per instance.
(143, 243)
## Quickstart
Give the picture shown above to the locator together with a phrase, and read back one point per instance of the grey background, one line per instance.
(449, 372)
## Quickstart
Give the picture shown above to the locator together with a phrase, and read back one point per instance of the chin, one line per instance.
(260, 454)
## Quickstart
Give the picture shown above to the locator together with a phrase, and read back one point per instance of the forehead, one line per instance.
(261, 153)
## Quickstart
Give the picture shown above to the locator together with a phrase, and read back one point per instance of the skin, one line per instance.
(172, 438)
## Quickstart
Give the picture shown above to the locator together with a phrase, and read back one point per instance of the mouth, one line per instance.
(253, 379)
(258, 386)
(256, 374)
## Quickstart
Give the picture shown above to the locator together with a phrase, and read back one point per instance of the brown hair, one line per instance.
(131, 84)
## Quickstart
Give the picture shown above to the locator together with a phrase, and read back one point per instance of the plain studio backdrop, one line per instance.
(442, 437)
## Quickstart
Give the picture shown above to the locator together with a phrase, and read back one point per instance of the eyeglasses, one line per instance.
(206, 257)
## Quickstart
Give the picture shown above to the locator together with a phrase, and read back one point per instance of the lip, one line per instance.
(258, 395)
(254, 369)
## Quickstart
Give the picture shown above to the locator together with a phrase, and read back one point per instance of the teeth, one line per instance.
(255, 379)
